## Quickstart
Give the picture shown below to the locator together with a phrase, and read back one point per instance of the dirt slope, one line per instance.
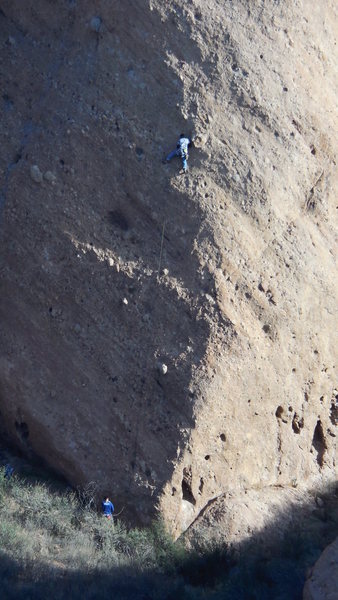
(239, 304)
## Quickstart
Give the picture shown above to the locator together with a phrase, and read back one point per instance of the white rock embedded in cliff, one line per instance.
(162, 368)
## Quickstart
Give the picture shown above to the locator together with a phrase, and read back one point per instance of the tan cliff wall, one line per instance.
(242, 311)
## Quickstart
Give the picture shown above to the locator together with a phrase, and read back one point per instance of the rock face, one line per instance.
(323, 581)
(228, 273)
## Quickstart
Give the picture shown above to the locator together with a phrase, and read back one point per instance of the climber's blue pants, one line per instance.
(173, 154)
(177, 153)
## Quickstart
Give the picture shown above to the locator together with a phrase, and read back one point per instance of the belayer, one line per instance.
(181, 151)
(107, 508)
(9, 470)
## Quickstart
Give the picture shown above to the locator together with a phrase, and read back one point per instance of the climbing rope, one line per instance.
(159, 262)
(118, 514)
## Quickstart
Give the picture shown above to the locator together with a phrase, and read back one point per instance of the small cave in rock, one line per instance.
(319, 442)
(186, 486)
(222, 437)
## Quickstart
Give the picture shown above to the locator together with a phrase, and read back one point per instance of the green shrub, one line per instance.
(8, 535)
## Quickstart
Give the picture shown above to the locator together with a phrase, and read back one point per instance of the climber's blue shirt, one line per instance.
(108, 508)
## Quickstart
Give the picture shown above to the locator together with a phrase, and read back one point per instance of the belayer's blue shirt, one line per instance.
(107, 507)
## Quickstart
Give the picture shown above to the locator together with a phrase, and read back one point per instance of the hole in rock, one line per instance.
(207, 457)
(117, 218)
(201, 485)
(186, 486)
(18, 157)
(319, 442)
(334, 413)
(297, 423)
(279, 412)
(223, 437)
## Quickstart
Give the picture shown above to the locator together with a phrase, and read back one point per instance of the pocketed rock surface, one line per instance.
(228, 272)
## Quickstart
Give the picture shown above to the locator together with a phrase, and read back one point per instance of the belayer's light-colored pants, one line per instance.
(177, 153)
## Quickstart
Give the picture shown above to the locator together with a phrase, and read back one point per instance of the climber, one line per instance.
(181, 151)
(107, 508)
